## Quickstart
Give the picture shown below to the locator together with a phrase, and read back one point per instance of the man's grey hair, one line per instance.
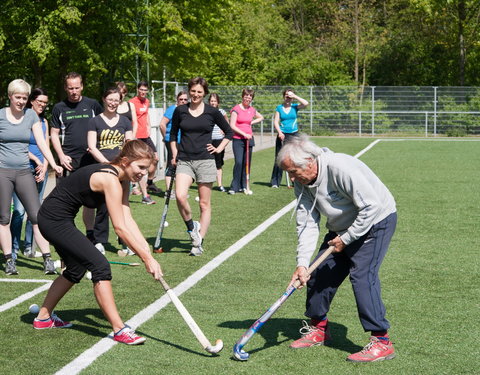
(300, 150)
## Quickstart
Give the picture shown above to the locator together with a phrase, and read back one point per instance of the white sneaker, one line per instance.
(196, 251)
(195, 234)
(100, 247)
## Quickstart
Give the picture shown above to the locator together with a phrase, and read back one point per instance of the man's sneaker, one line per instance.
(53, 322)
(10, 267)
(196, 251)
(376, 350)
(311, 336)
(195, 234)
(148, 200)
(128, 336)
(100, 247)
(154, 189)
(49, 266)
(231, 192)
(222, 189)
(275, 186)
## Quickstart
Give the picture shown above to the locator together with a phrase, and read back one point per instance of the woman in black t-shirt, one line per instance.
(193, 157)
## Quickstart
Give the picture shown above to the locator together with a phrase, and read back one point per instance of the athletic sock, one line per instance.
(8, 256)
(189, 224)
(319, 323)
(118, 332)
(45, 256)
(381, 335)
(149, 182)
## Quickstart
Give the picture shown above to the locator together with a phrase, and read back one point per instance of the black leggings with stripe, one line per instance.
(76, 250)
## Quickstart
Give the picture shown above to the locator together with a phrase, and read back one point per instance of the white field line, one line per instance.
(105, 344)
(27, 295)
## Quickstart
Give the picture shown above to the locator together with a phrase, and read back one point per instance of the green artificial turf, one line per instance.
(430, 281)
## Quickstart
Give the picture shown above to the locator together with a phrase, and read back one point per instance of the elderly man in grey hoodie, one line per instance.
(361, 218)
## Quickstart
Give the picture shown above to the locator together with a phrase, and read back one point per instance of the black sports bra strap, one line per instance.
(110, 169)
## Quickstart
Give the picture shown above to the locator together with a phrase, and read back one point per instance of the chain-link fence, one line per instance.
(380, 110)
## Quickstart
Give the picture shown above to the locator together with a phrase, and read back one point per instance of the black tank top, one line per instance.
(127, 114)
(73, 192)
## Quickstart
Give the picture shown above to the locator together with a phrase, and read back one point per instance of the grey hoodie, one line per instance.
(348, 194)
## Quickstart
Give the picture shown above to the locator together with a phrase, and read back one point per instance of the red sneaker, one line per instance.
(375, 350)
(311, 336)
(128, 336)
(53, 322)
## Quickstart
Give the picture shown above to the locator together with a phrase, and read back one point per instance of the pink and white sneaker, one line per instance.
(376, 350)
(53, 322)
(128, 336)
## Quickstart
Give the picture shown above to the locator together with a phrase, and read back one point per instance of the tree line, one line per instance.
(252, 42)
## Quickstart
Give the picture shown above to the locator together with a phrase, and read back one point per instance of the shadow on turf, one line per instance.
(89, 321)
(290, 329)
(194, 342)
(172, 245)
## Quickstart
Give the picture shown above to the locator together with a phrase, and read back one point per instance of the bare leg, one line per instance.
(167, 182)
(182, 184)
(5, 239)
(219, 177)
(205, 193)
(143, 186)
(104, 295)
(42, 243)
(56, 292)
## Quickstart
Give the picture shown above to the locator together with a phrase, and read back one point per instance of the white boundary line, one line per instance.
(26, 296)
(105, 344)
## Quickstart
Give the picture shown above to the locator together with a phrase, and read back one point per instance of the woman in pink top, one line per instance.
(242, 117)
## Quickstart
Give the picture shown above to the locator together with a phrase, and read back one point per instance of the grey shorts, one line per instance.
(202, 171)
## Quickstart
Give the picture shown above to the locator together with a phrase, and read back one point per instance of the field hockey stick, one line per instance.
(238, 352)
(125, 263)
(247, 167)
(190, 322)
(156, 247)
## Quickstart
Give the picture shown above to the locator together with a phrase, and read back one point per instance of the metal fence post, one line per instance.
(426, 124)
(360, 123)
(435, 111)
(311, 109)
(373, 110)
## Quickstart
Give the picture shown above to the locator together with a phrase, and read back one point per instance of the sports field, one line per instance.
(430, 280)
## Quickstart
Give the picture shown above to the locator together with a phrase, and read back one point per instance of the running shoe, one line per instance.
(376, 350)
(128, 336)
(222, 189)
(10, 267)
(311, 336)
(231, 192)
(195, 234)
(53, 322)
(196, 251)
(148, 200)
(154, 189)
(49, 267)
(100, 247)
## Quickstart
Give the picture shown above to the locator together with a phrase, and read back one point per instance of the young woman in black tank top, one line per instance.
(92, 186)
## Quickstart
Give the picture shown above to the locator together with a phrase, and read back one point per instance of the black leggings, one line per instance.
(22, 182)
(76, 250)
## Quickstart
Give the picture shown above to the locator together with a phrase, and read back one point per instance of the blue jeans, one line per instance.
(17, 221)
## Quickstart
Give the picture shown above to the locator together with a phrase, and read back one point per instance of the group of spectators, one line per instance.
(82, 132)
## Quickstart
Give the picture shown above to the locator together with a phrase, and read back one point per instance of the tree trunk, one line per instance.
(461, 42)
